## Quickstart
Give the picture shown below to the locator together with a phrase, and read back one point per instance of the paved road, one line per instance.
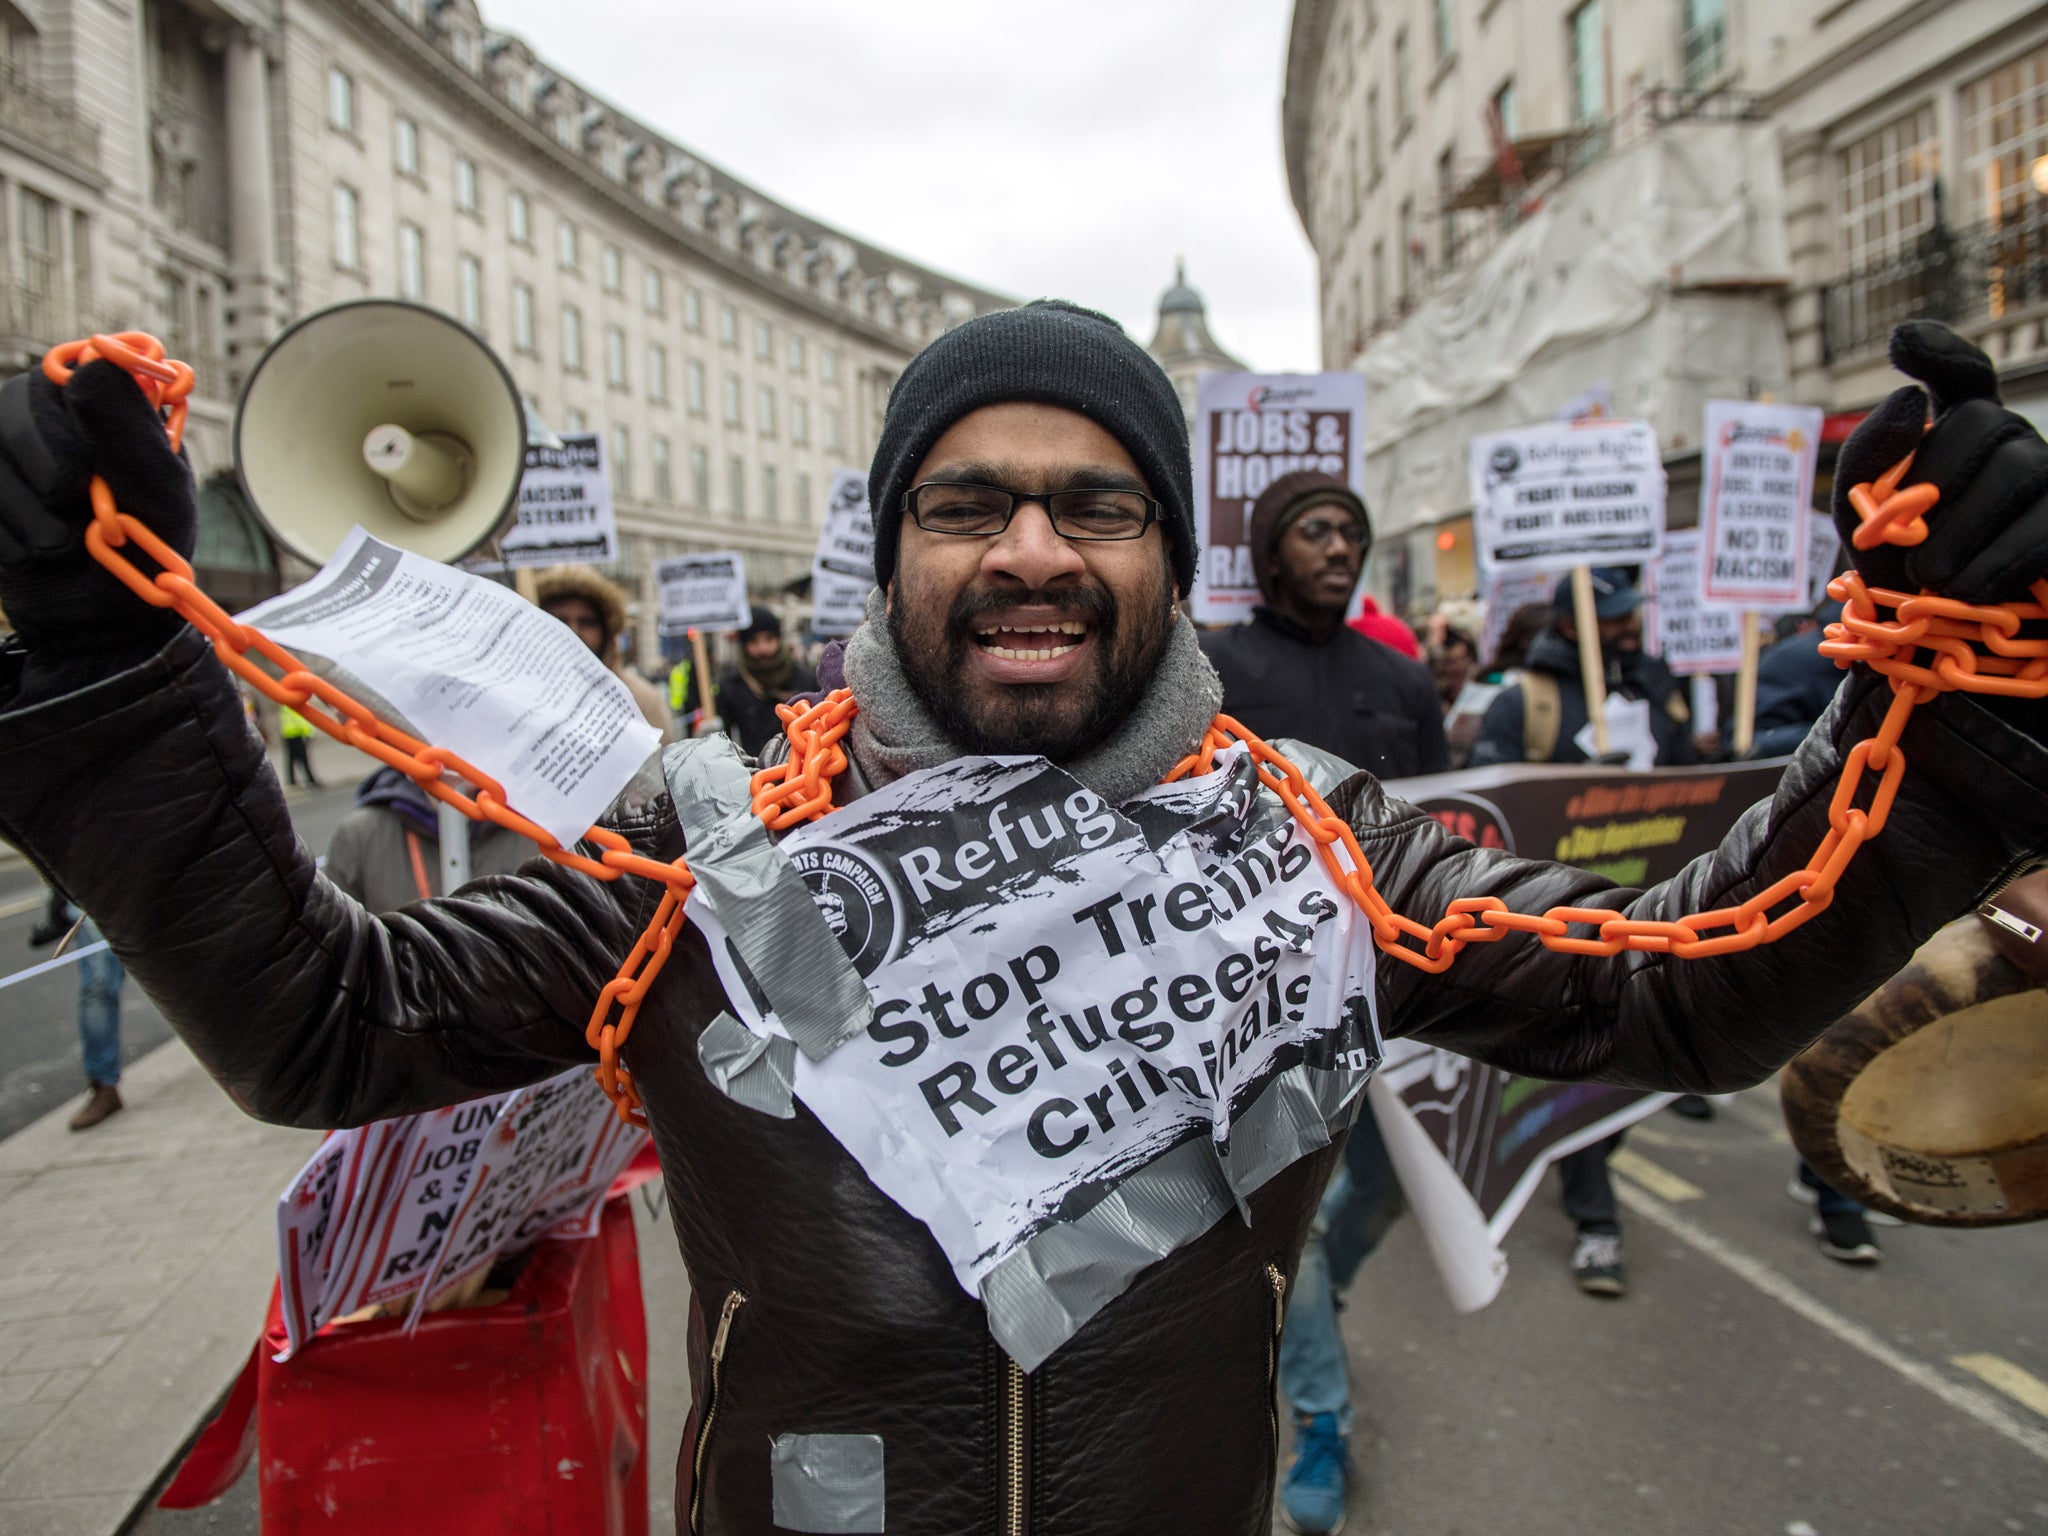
(39, 1066)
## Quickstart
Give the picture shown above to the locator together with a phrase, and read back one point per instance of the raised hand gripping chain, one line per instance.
(1976, 649)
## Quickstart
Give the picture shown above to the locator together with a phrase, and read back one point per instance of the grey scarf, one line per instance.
(895, 735)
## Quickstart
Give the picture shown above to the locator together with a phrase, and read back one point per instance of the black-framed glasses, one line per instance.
(943, 506)
(1318, 530)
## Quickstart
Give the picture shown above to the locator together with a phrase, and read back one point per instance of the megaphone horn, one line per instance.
(386, 414)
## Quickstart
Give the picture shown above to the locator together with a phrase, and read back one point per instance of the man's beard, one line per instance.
(1059, 721)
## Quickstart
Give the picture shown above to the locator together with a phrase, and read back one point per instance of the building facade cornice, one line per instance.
(1307, 40)
(409, 45)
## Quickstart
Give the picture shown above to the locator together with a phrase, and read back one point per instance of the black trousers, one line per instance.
(1588, 1190)
(298, 759)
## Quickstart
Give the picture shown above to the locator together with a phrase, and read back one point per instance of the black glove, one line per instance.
(53, 440)
(1987, 539)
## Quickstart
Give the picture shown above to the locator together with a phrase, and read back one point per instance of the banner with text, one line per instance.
(1250, 429)
(1559, 494)
(1757, 492)
(565, 506)
(1691, 635)
(706, 592)
(843, 570)
(1499, 1131)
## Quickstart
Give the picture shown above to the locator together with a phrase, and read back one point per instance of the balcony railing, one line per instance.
(47, 120)
(1957, 276)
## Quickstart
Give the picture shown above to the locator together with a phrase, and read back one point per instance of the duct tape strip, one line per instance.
(1300, 1111)
(827, 1482)
(761, 902)
(752, 1071)
(1044, 1292)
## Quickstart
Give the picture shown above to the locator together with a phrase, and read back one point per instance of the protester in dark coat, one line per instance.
(766, 675)
(1296, 662)
(1794, 686)
(1631, 673)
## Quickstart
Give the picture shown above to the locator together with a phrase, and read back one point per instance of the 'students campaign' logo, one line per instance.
(857, 900)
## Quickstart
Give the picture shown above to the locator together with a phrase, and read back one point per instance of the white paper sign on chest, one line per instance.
(1065, 990)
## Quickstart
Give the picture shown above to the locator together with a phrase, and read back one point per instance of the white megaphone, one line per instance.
(385, 414)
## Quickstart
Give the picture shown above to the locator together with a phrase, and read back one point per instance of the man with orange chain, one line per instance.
(1034, 532)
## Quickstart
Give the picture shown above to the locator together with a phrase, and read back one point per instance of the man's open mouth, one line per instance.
(1025, 640)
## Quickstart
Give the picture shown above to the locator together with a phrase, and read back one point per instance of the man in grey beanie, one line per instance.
(1032, 506)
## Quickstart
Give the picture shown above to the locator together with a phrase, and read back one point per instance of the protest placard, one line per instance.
(1691, 635)
(1155, 969)
(565, 506)
(473, 667)
(1250, 429)
(1756, 492)
(843, 570)
(1506, 590)
(1823, 548)
(707, 592)
(1559, 494)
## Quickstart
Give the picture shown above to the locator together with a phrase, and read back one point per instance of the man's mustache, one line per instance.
(1069, 602)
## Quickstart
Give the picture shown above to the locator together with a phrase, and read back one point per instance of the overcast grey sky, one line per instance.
(1067, 147)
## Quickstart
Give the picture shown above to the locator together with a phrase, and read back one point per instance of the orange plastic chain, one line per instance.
(1976, 649)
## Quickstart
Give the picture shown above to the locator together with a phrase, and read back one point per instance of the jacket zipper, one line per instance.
(1016, 1469)
(734, 1300)
(1278, 1281)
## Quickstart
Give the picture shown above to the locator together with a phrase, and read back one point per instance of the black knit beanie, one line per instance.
(1052, 353)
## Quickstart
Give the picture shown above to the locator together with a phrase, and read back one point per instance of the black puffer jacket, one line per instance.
(148, 800)
(1502, 733)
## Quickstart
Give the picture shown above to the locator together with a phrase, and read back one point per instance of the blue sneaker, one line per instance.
(1312, 1495)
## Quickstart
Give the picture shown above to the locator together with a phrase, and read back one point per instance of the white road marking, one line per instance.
(1986, 1410)
(25, 904)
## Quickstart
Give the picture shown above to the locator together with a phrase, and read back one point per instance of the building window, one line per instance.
(728, 326)
(406, 146)
(653, 292)
(828, 365)
(664, 485)
(1444, 26)
(1446, 194)
(732, 400)
(1887, 182)
(621, 466)
(799, 421)
(572, 338)
(1379, 278)
(796, 354)
(693, 387)
(764, 408)
(771, 494)
(1404, 99)
(1411, 248)
(1705, 41)
(575, 420)
(1504, 113)
(693, 310)
(469, 291)
(736, 484)
(348, 232)
(567, 250)
(657, 373)
(465, 184)
(833, 442)
(615, 356)
(700, 479)
(412, 262)
(519, 218)
(522, 317)
(614, 268)
(2005, 135)
(1374, 149)
(341, 100)
(804, 509)
(764, 341)
(1586, 55)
